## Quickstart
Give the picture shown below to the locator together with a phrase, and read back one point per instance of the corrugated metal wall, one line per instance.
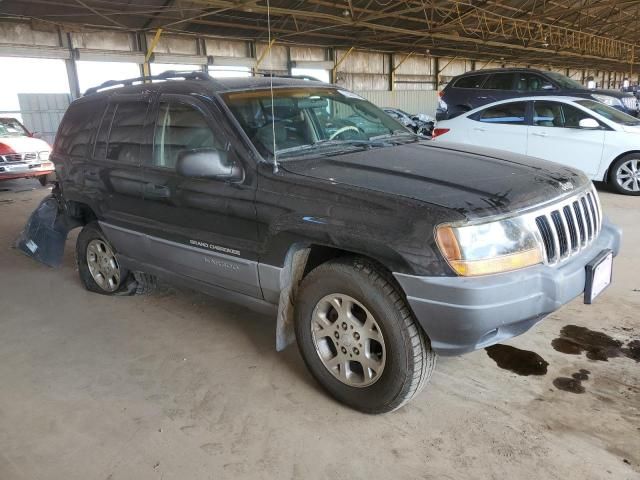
(412, 101)
(226, 48)
(42, 113)
(414, 72)
(363, 70)
(107, 40)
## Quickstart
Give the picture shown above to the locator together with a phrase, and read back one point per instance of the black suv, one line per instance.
(474, 89)
(375, 248)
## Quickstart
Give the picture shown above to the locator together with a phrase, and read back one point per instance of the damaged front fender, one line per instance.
(45, 233)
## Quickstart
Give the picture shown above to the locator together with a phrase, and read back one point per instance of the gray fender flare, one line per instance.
(290, 277)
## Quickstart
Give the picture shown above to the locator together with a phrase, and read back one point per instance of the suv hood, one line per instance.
(610, 93)
(475, 182)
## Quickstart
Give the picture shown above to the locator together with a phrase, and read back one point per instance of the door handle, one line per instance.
(540, 134)
(479, 129)
(154, 190)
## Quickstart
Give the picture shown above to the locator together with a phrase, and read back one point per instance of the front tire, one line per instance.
(98, 266)
(624, 174)
(43, 179)
(359, 338)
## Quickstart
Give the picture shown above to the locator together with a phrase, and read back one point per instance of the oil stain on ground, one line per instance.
(572, 384)
(522, 362)
(574, 340)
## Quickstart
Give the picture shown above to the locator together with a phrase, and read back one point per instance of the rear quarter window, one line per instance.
(77, 128)
(472, 81)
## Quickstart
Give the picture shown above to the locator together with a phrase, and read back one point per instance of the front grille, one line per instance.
(630, 102)
(569, 226)
(19, 157)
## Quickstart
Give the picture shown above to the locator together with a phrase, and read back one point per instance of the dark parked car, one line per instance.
(477, 88)
(372, 247)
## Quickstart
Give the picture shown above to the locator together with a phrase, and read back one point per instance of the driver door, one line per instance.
(203, 229)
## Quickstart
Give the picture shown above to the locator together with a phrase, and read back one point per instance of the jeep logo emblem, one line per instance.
(566, 186)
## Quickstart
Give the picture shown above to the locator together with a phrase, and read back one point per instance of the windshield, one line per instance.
(609, 113)
(10, 127)
(310, 119)
(563, 81)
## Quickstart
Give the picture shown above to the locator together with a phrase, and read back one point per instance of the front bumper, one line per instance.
(25, 169)
(461, 314)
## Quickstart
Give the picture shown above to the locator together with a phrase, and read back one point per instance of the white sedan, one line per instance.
(599, 140)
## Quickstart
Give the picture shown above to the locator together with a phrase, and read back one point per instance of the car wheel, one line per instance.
(359, 338)
(624, 174)
(98, 266)
(43, 179)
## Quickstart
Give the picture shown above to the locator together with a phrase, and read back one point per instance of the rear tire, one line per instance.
(359, 338)
(43, 179)
(624, 174)
(98, 266)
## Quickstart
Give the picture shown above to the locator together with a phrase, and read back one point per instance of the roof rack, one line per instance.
(168, 75)
(297, 77)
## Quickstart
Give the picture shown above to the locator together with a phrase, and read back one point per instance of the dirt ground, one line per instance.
(182, 386)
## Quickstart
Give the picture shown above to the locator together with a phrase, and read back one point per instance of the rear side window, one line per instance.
(499, 81)
(120, 134)
(76, 131)
(507, 113)
(530, 82)
(472, 81)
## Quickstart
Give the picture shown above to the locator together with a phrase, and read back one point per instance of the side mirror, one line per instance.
(208, 163)
(588, 123)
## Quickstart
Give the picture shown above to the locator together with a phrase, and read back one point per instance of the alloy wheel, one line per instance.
(628, 175)
(348, 340)
(103, 265)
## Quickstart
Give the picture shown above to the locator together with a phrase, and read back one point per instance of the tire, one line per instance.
(396, 352)
(92, 242)
(622, 176)
(43, 179)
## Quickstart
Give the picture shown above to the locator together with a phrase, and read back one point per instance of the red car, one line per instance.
(22, 155)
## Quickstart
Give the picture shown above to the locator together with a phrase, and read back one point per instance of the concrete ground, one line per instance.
(182, 386)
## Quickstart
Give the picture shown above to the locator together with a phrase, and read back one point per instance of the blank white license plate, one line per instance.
(599, 272)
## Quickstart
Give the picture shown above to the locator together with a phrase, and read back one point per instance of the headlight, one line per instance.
(607, 100)
(492, 247)
(44, 156)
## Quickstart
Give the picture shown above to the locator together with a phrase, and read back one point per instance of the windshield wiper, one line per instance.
(332, 143)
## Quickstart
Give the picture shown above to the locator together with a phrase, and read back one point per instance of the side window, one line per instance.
(530, 82)
(472, 81)
(573, 115)
(499, 81)
(125, 135)
(547, 114)
(507, 113)
(75, 133)
(179, 128)
(120, 134)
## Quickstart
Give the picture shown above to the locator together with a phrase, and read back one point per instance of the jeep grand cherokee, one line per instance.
(376, 248)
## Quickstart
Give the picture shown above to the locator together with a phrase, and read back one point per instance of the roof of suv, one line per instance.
(202, 84)
(501, 70)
